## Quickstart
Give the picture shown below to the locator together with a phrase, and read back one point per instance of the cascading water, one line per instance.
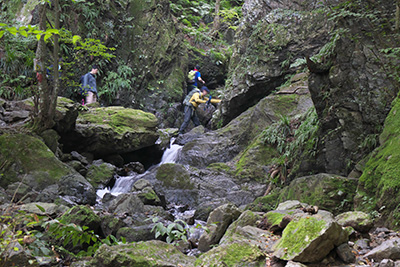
(123, 184)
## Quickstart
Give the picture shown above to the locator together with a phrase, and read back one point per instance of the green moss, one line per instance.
(265, 203)
(332, 193)
(251, 162)
(380, 181)
(219, 166)
(99, 174)
(119, 119)
(298, 234)
(23, 154)
(236, 254)
(174, 176)
(275, 218)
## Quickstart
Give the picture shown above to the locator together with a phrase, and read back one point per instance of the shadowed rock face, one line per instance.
(271, 37)
(352, 98)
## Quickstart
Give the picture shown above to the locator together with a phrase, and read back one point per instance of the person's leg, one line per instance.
(186, 119)
(195, 119)
(89, 97)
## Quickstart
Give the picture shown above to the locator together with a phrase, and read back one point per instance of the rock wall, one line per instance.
(270, 38)
(353, 96)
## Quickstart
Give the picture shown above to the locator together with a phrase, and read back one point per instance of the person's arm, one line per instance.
(198, 74)
(198, 98)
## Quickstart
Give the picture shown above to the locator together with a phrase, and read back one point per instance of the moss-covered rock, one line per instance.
(174, 176)
(266, 203)
(329, 192)
(309, 238)
(147, 254)
(113, 130)
(358, 220)
(83, 216)
(380, 182)
(100, 174)
(26, 158)
(253, 161)
(236, 254)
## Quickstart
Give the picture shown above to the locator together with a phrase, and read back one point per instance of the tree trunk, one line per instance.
(43, 121)
(397, 15)
(53, 92)
(216, 18)
(47, 91)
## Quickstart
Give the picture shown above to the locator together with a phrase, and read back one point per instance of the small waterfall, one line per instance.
(124, 184)
(171, 154)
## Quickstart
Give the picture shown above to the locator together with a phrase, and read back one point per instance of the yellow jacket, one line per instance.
(198, 98)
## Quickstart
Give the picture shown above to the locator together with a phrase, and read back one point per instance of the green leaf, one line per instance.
(38, 36)
(40, 208)
(1, 34)
(12, 30)
(75, 39)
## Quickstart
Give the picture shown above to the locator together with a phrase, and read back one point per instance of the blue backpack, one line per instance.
(83, 90)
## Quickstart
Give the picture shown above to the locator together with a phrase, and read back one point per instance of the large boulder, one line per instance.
(112, 130)
(389, 249)
(330, 192)
(224, 144)
(310, 238)
(203, 189)
(150, 253)
(236, 254)
(26, 158)
(360, 221)
(217, 223)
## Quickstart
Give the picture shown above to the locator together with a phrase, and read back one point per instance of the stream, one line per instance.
(123, 184)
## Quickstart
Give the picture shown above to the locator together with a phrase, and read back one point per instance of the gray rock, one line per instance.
(294, 264)
(50, 209)
(359, 220)
(290, 205)
(386, 263)
(319, 234)
(150, 253)
(76, 189)
(136, 233)
(126, 204)
(218, 221)
(389, 249)
(345, 254)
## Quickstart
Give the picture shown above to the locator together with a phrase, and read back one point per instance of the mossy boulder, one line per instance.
(174, 176)
(310, 238)
(379, 183)
(113, 130)
(217, 223)
(253, 162)
(329, 192)
(100, 173)
(26, 158)
(147, 254)
(66, 114)
(236, 254)
(358, 220)
(238, 140)
(83, 216)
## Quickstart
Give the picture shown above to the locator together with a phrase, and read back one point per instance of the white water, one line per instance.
(124, 184)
